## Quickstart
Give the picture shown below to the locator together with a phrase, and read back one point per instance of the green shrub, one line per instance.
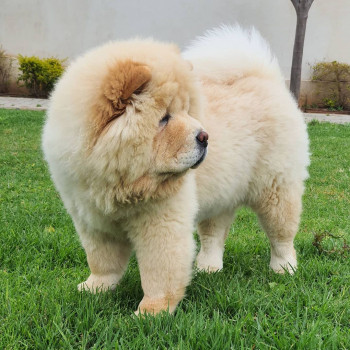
(338, 75)
(333, 104)
(5, 70)
(40, 75)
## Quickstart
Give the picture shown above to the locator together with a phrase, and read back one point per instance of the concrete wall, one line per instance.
(66, 28)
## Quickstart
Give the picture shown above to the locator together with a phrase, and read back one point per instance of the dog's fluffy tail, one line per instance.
(227, 53)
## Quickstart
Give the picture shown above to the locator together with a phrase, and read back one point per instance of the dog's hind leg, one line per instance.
(107, 257)
(213, 233)
(279, 212)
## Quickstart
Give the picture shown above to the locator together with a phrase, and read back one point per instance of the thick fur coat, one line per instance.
(126, 130)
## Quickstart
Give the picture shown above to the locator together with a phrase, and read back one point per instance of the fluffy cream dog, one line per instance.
(127, 123)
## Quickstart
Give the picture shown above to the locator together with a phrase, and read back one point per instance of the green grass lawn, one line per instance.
(246, 306)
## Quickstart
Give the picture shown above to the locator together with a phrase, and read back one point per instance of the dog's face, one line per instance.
(144, 124)
(179, 144)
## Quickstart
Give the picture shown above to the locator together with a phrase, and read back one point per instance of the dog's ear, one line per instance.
(124, 79)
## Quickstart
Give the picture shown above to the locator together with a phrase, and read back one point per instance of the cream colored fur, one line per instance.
(126, 182)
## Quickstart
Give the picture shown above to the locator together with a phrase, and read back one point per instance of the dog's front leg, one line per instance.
(107, 256)
(165, 251)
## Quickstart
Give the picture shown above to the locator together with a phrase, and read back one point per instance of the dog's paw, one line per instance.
(154, 306)
(209, 264)
(280, 265)
(95, 284)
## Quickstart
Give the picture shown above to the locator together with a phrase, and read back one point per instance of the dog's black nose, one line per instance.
(202, 138)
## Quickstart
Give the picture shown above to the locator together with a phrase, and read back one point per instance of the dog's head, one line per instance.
(141, 111)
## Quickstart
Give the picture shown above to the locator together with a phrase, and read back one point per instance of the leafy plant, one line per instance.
(6, 63)
(40, 75)
(320, 242)
(332, 104)
(338, 75)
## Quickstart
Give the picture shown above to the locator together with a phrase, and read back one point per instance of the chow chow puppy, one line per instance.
(127, 127)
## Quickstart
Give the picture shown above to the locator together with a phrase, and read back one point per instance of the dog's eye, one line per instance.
(164, 121)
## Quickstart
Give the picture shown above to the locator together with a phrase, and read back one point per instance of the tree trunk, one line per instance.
(295, 78)
(302, 9)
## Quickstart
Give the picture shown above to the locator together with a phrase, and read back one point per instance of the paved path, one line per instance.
(37, 104)
(333, 118)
